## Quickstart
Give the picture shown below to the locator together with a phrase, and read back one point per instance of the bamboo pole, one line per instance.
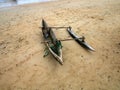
(62, 40)
(55, 27)
(70, 39)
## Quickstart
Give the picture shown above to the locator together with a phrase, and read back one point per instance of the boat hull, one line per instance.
(58, 58)
(78, 40)
(49, 38)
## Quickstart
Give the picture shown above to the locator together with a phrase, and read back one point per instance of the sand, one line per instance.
(22, 65)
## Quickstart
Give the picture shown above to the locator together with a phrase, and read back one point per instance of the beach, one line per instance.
(22, 65)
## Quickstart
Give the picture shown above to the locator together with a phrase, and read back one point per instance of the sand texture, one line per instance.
(22, 65)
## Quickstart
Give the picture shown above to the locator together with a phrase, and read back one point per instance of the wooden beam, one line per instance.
(55, 27)
(62, 40)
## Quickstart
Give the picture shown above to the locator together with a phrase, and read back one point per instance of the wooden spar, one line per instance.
(70, 39)
(55, 27)
(62, 40)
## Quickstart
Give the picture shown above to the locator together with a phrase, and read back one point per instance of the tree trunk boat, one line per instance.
(52, 43)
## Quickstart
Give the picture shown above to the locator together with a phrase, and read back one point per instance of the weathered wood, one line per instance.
(62, 40)
(80, 41)
(70, 39)
(52, 35)
(52, 46)
(55, 27)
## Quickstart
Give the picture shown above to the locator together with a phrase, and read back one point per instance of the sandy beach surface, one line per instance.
(22, 65)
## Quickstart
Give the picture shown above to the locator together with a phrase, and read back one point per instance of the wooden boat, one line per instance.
(79, 40)
(52, 43)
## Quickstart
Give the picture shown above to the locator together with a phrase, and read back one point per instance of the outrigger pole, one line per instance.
(62, 40)
(55, 27)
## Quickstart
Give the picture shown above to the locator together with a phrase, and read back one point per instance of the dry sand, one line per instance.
(22, 66)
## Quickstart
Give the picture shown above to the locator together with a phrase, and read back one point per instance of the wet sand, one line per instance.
(22, 65)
